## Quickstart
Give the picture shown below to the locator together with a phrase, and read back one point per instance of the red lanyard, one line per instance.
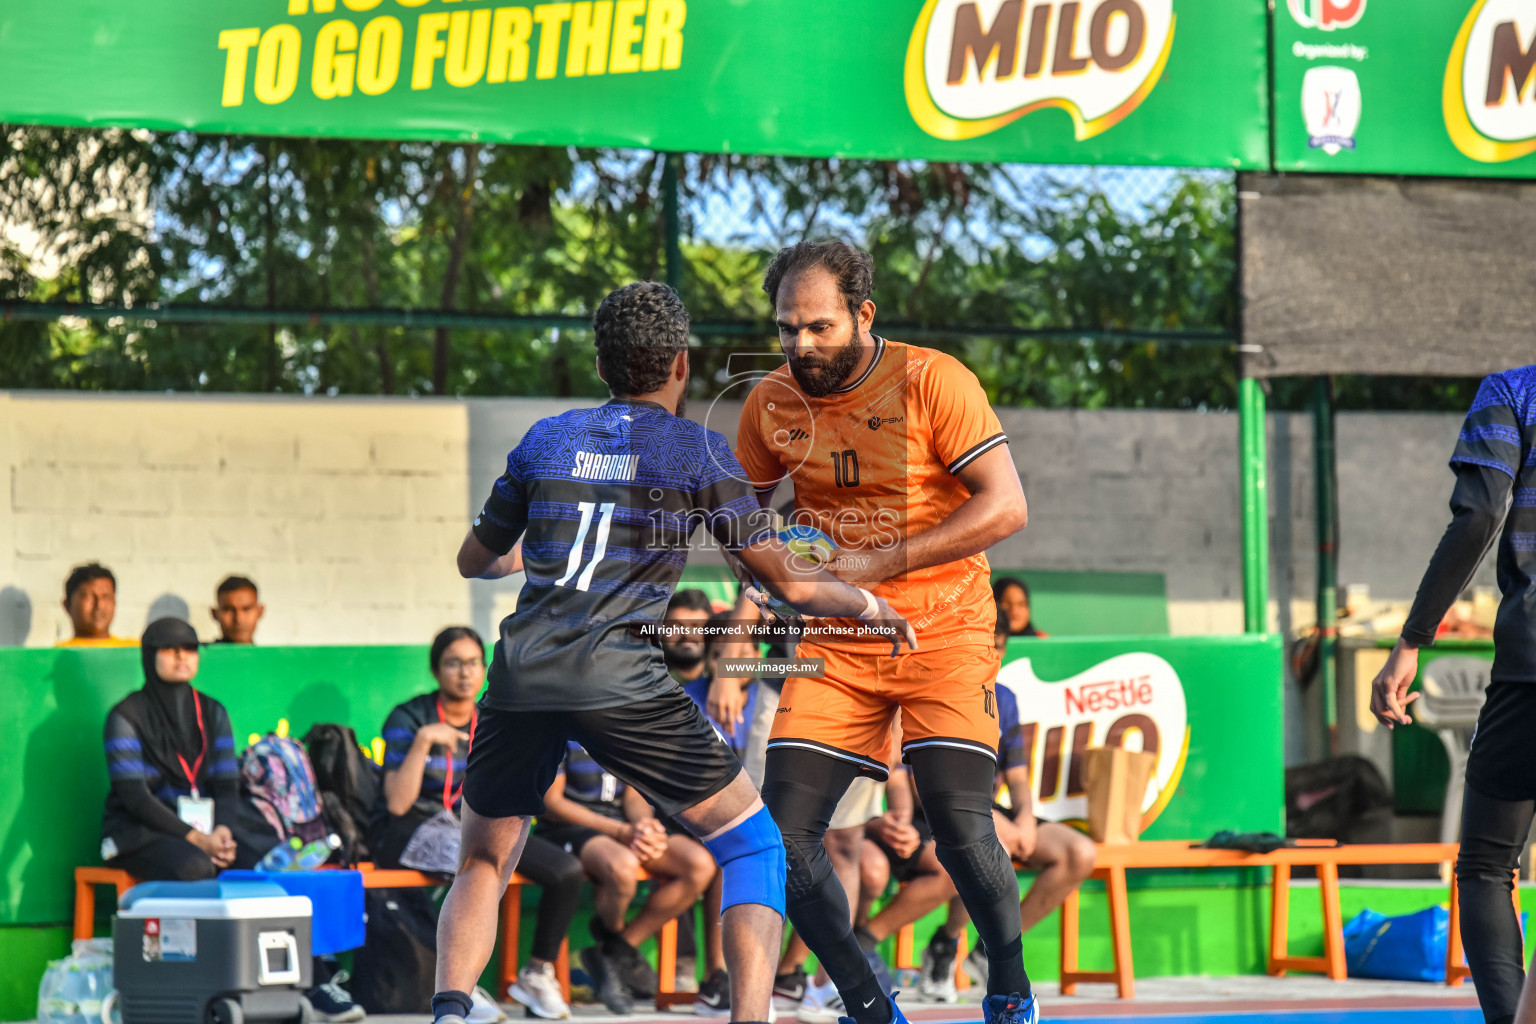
(451, 795)
(191, 773)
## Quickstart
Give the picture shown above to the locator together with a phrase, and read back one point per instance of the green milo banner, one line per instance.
(1430, 87)
(1178, 82)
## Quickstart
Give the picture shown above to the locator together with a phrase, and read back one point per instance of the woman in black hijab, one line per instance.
(171, 761)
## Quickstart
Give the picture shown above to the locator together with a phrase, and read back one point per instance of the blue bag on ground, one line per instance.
(1407, 948)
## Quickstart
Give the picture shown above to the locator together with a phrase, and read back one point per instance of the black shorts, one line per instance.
(904, 869)
(1502, 761)
(568, 837)
(664, 747)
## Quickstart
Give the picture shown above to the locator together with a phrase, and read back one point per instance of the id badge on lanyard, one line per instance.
(196, 810)
(450, 793)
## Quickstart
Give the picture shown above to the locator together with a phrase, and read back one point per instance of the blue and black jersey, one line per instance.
(588, 784)
(1495, 497)
(141, 803)
(1010, 746)
(698, 692)
(605, 501)
(400, 734)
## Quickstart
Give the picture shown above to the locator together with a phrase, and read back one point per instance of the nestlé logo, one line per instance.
(1132, 700)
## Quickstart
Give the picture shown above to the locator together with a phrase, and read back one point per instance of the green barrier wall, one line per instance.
(53, 779)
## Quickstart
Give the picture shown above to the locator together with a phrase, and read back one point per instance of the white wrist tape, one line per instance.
(871, 606)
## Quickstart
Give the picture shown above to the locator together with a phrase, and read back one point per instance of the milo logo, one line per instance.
(974, 66)
(1489, 92)
(1134, 701)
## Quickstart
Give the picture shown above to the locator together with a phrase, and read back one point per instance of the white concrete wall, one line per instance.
(348, 512)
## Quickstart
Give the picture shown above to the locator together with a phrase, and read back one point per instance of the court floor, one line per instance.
(1249, 1000)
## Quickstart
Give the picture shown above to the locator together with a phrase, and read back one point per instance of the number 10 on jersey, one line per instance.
(845, 468)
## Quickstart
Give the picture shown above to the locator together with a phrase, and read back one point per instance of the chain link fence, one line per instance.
(477, 270)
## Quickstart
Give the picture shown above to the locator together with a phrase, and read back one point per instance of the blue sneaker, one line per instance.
(1014, 1009)
(897, 1017)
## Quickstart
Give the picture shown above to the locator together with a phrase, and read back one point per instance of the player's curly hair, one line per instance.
(852, 267)
(640, 330)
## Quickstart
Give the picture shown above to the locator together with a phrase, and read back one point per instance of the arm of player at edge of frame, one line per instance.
(478, 562)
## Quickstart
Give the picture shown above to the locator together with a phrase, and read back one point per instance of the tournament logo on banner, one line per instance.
(1134, 701)
(1490, 110)
(974, 66)
(1330, 102)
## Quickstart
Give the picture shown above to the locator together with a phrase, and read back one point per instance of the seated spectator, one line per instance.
(616, 833)
(1012, 597)
(426, 748)
(170, 760)
(237, 611)
(90, 598)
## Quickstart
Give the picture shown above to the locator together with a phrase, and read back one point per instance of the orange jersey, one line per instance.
(875, 462)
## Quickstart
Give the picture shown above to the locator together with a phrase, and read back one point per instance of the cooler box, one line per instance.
(217, 952)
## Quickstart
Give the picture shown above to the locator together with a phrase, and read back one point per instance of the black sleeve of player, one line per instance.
(504, 516)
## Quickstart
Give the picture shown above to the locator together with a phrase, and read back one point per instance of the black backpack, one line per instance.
(394, 971)
(349, 784)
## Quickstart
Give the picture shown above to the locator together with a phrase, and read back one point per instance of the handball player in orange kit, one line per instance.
(895, 453)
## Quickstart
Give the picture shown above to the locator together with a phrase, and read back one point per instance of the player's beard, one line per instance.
(834, 372)
(682, 661)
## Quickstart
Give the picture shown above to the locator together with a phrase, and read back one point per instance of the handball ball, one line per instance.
(808, 543)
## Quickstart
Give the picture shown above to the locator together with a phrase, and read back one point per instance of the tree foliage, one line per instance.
(136, 218)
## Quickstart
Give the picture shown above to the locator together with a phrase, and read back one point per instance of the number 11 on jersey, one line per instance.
(604, 514)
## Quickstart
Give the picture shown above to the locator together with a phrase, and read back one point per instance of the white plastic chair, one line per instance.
(1454, 690)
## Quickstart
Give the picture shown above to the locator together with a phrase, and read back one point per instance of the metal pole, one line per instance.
(1325, 471)
(1251, 410)
(673, 223)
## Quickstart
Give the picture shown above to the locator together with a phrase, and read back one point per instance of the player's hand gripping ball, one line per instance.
(808, 543)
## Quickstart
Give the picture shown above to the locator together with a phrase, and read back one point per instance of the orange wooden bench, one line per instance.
(1114, 860)
(87, 878)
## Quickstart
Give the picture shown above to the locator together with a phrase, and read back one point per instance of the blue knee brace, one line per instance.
(751, 859)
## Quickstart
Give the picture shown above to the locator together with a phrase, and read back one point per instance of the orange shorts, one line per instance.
(945, 696)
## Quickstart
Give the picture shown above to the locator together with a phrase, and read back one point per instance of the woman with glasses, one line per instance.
(427, 741)
(171, 762)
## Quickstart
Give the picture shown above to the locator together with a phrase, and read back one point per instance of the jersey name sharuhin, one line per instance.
(595, 466)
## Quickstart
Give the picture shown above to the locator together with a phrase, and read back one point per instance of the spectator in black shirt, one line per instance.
(1494, 501)
(426, 745)
(171, 761)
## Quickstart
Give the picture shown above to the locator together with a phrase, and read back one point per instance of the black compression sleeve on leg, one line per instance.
(1493, 833)
(801, 789)
(956, 789)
